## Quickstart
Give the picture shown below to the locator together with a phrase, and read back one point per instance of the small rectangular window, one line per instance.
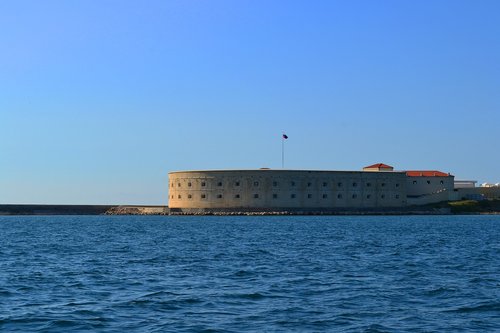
(237, 196)
(309, 196)
(368, 196)
(383, 184)
(354, 196)
(354, 184)
(219, 196)
(203, 196)
(292, 196)
(237, 184)
(382, 196)
(339, 184)
(325, 196)
(189, 196)
(414, 182)
(309, 184)
(325, 184)
(441, 182)
(397, 184)
(292, 183)
(339, 196)
(178, 184)
(256, 196)
(203, 183)
(179, 196)
(275, 184)
(219, 184)
(368, 184)
(428, 182)
(275, 196)
(189, 184)
(397, 196)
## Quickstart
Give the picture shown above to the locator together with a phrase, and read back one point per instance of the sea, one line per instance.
(250, 273)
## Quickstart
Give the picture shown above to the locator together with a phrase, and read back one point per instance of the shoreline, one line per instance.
(491, 207)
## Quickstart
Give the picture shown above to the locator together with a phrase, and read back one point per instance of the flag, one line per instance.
(285, 136)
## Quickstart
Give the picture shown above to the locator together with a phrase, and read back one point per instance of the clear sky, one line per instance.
(99, 100)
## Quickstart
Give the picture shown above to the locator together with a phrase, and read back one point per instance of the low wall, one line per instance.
(54, 209)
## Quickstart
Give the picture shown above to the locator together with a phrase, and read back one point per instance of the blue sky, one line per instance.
(99, 100)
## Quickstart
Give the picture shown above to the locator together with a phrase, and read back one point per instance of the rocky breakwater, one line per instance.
(138, 210)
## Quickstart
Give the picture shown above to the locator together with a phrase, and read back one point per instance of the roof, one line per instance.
(426, 173)
(378, 165)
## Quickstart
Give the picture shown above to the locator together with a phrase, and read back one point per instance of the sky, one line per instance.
(99, 100)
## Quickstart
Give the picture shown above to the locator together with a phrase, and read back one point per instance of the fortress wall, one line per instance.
(286, 189)
(418, 186)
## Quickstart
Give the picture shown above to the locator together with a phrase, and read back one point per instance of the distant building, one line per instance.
(465, 183)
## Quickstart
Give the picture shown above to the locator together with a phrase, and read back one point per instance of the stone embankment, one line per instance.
(137, 210)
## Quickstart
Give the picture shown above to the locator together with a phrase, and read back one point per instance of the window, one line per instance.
(171, 197)
(219, 184)
(179, 196)
(354, 184)
(237, 184)
(397, 196)
(325, 196)
(397, 184)
(275, 196)
(339, 184)
(203, 183)
(236, 196)
(203, 196)
(292, 196)
(354, 196)
(275, 184)
(383, 184)
(382, 196)
(441, 182)
(339, 196)
(189, 196)
(414, 182)
(292, 183)
(219, 196)
(178, 184)
(309, 184)
(428, 182)
(189, 184)
(368, 184)
(309, 196)
(256, 196)
(255, 183)
(368, 196)
(325, 184)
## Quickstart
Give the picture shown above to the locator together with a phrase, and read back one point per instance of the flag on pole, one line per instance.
(285, 136)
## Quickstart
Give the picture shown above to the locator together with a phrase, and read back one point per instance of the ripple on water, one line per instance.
(249, 274)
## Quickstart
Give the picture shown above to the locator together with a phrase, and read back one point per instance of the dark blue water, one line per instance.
(250, 274)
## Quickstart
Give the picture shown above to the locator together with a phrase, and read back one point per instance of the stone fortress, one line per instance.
(376, 187)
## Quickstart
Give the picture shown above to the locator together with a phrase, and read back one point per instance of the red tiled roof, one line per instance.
(378, 165)
(426, 173)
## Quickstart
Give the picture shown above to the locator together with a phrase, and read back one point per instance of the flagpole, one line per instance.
(282, 152)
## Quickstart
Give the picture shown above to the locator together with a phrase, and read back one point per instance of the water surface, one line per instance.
(250, 274)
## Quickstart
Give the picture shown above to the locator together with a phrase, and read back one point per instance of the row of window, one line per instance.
(428, 182)
(275, 184)
(309, 184)
(292, 196)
